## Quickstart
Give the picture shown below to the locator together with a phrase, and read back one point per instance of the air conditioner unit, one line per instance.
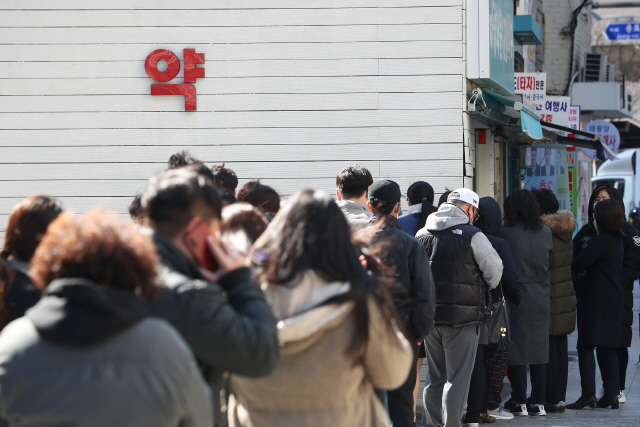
(611, 73)
(595, 67)
(603, 99)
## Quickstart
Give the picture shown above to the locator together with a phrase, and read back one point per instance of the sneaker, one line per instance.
(537, 410)
(520, 410)
(510, 404)
(500, 414)
(487, 419)
(621, 397)
(470, 424)
(600, 394)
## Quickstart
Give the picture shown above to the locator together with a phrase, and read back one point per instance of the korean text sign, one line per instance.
(191, 73)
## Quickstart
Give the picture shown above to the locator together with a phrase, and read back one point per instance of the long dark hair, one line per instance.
(422, 192)
(522, 208)
(609, 217)
(311, 233)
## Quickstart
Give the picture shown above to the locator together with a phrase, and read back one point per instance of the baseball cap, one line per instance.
(386, 190)
(464, 195)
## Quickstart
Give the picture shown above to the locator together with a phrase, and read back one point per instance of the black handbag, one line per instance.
(499, 329)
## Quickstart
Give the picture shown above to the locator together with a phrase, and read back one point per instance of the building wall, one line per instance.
(294, 90)
(557, 46)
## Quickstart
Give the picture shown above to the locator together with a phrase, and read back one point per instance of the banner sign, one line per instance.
(555, 110)
(609, 135)
(623, 31)
(546, 167)
(532, 87)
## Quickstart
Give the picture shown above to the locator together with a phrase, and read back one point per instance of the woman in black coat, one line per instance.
(597, 273)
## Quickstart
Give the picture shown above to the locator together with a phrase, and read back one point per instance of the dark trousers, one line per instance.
(475, 400)
(608, 362)
(400, 400)
(623, 361)
(518, 379)
(557, 369)
(495, 366)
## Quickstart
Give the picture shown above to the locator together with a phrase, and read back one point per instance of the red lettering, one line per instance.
(188, 90)
(191, 58)
(151, 65)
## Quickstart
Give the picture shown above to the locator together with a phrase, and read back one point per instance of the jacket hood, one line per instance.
(560, 223)
(595, 194)
(448, 215)
(302, 316)
(80, 313)
(490, 221)
(356, 209)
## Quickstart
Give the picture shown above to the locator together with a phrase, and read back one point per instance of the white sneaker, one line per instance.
(621, 397)
(600, 394)
(500, 414)
(537, 410)
(471, 424)
(520, 410)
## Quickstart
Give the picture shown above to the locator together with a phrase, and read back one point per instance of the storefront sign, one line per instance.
(191, 73)
(490, 51)
(532, 87)
(609, 135)
(574, 117)
(556, 110)
(546, 167)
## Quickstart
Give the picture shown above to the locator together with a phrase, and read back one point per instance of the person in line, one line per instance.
(597, 274)
(464, 266)
(136, 212)
(412, 291)
(630, 272)
(261, 196)
(531, 245)
(563, 299)
(241, 226)
(86, 354)
(225, 178)
(495, 358)
(420, 200)
(224, 318)
(444, 197)
(183, 158)
(352, 191)
(337, 326)
(28, 223)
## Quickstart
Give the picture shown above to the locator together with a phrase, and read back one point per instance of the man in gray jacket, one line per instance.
(464, 265)
(352, 189)
(225, 319)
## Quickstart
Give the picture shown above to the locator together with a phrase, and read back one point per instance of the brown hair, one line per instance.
(100, 248)
(261, 196)
(28, 222)
(243, 218)
(609, 216)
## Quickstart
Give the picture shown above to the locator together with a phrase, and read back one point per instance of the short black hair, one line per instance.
(226, 197)
(522, 208)
(353, 181)
(547, 200)
(135, 208)
(183, 158)
(224, 177)
(173, 197)
(444, 197)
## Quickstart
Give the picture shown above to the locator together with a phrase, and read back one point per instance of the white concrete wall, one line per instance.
(294, 90)
(557, 47)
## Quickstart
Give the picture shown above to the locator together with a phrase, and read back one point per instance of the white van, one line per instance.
(621, 174)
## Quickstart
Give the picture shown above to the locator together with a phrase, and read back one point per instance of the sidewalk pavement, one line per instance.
(627, 415)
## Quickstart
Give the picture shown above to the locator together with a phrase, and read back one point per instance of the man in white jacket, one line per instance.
(352, 190)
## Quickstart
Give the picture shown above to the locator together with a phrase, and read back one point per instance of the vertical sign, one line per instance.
(532, 87)
(501, 42)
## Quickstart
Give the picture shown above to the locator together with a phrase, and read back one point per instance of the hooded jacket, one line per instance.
(462, 262)
(414, 293)
(228, 325)
(630, 264)
(357, 214)
(316, 383)
(86, 355)
(563, 299)
(490, 223)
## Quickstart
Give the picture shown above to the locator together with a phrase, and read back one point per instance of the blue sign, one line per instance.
(623, 31)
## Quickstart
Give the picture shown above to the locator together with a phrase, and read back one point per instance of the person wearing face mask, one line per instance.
(630, 273)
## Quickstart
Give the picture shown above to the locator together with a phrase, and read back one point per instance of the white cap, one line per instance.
(464, 195)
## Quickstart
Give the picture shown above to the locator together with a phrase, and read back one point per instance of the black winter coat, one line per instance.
(599, 293)
(489, 223)
(22, 296)
(414, 294)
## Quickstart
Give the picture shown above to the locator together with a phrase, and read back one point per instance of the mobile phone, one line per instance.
(195, 239)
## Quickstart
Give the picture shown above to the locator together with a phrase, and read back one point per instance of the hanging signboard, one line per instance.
(532, 87)
(574, 117)
(609, 136)
(490, 50)
(556, 110)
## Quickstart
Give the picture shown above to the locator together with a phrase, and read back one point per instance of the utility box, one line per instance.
(605, 99)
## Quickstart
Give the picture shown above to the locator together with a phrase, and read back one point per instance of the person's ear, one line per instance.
(338, 195)
(369, 206)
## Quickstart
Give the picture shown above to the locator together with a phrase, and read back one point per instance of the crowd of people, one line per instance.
(226, 306)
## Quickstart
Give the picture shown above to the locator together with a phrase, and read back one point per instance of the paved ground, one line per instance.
(627, 415)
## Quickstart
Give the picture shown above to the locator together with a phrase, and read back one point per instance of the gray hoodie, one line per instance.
(450, 215)
(357, 214)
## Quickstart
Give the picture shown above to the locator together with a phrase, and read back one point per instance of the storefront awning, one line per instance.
(503, 110)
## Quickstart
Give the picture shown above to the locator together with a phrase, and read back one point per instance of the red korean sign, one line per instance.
(191, 73)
